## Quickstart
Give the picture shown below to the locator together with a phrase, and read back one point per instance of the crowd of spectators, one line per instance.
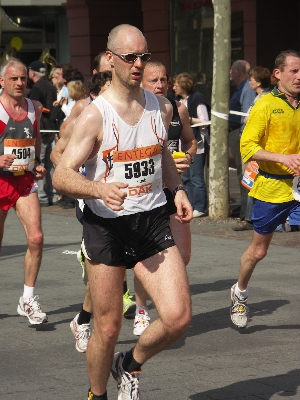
(60, 88)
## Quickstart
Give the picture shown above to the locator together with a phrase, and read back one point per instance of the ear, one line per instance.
(277, 73)
(109, 57)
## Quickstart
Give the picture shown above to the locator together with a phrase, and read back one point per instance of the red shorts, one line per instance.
(13, 187)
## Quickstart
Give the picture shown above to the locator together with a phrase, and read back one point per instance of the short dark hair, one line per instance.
(97, 81)
(261, 75)
(66, 68)
(280, 60)
(97, 60)
(73, 75)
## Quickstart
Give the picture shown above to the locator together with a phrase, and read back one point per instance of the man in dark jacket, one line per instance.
(44, 92)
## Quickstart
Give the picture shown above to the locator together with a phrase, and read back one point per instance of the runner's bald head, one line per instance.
(122, 35)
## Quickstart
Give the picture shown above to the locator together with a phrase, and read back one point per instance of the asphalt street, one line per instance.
(213, 360)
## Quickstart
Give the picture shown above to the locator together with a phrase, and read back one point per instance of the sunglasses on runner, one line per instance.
(132, 57)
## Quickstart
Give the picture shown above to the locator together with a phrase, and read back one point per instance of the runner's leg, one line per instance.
(106, 288)
(29, 212)
(165, 279)
(255, 252)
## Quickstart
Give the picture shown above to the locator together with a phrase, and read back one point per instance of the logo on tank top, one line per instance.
(27, 133)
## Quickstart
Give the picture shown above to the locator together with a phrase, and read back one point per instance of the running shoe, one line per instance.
(141, 322)
(239, 312)
(128, 383)
(128, 305)
(81, 333)
(32, 310)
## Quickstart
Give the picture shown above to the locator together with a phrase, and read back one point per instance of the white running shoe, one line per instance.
(141, 322)
(81, 333)
(128, 383)
(198, 214)
(32, 310)
(239, 312)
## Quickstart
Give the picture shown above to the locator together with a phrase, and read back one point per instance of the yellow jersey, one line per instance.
(274, 126)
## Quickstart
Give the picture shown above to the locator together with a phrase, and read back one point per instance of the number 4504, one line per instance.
(22, 153)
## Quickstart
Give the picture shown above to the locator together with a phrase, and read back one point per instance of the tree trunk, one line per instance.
(218, 162)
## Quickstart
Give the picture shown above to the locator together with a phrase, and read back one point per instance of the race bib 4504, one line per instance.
(140, 168)
(24, 150)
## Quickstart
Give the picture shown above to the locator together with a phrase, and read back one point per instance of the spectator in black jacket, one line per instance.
(44, 92)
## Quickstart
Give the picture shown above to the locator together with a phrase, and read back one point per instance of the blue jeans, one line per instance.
(194, 183)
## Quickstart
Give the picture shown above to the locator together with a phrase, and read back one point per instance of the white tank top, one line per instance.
(130, 154)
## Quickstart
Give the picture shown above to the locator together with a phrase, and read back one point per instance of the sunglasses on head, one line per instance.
(132, 57)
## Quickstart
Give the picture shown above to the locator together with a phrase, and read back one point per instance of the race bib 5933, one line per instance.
(140, 168)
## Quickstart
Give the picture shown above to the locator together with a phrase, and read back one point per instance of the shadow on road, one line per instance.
(284, 385)
(220, 319)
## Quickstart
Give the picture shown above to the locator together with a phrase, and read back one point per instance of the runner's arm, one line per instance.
(84, 143)
(188, 141)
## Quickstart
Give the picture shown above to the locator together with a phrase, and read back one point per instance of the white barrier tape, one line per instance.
(201, 124)
(219, 115)
(239, 113)
(225, 116)
(48, 131)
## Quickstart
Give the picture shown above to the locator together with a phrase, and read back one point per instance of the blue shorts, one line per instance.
(267, 216)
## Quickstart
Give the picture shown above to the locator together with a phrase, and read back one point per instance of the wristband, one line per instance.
(37, 159)
(192, 158)
(180, 187)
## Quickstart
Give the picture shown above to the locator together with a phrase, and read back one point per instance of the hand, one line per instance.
(40, 171)
(184, 208)
(291, 161)
(113, 196)
(63, 100)
(6, 160)
(182, 164)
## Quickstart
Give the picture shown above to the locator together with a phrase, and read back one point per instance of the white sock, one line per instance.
(241, 294)
(138, 308)
(28, 292)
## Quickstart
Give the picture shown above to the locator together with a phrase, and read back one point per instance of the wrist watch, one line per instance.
(180, 187)
(192, 158)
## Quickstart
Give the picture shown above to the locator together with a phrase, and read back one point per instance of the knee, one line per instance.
(178, 320)
(258, 254)
(36, 239)
(107, 332)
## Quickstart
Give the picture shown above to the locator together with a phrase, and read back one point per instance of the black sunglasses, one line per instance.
(132, 57)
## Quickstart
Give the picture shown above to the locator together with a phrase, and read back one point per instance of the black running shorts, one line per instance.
(126, 240)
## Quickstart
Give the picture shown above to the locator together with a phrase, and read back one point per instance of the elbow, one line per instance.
(56, 181)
